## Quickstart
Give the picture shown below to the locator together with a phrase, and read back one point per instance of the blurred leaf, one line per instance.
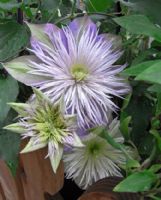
(8, 93)
(124, 127)
(140, 108)
(155, 168)
(155, 88)
(98, 6)
(137, 182)
(8, 6)
(151, 74)
(146, 145)
(139, 24)
(50, 5)
(9, 143)
(155, 197)
(147, 7)
(158, 106)
(135, 70)
(132, 164)
(13, 38)
(157, 136)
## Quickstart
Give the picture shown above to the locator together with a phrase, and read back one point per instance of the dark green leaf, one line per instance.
(9, 6)
(124, 127)
(155, 88)
(158, 106)
(98, 6)
(137, 182)
(13, 38)
(139, 24)
(147, 7)
(8, 93)
(9, 143)
(157, 136)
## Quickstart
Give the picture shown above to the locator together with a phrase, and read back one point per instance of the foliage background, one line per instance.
(138, 25)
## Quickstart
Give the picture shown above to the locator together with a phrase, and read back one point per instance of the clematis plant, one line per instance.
(76, 64)
(96, 159)
(45, 125)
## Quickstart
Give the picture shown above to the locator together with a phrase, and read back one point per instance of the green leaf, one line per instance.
(139, 24)
(50, 5)
(8, 93)
(157, 136)
(8, 6)
(155, 197)
(140, 108)
(9, 143)
(151, 74)
(132, 164)
(124, 127)
(147, 7)
(98, 6)
(13, 38)
(158, 106)
(137, 182)
(155, 168)
(155, 88)
(135, 70)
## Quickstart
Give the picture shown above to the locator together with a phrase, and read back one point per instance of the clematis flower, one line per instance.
(75, 63)
(95, 160)
(45, 125)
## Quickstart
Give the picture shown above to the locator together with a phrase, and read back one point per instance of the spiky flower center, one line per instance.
(95, 147)
(49, 123)
(79, 72)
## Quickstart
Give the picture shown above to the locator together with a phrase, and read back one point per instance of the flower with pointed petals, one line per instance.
(74, 63)
(95, 160)
(45, 126)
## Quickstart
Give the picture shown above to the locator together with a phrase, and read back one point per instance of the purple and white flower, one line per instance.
(74, 65)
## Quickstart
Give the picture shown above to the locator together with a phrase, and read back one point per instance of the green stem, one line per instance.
(73, 8)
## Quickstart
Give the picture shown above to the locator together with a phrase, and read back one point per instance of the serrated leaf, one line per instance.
(137, 182)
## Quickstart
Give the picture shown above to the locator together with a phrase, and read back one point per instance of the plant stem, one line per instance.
(73, 8)
(82, 14)
(19, 14)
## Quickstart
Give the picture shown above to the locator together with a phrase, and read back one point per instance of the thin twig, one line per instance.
(82, 14)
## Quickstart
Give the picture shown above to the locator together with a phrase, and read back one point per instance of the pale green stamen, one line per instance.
(50, 124)
(79, 72)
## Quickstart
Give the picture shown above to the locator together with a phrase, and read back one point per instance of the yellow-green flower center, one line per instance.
(79, 72)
